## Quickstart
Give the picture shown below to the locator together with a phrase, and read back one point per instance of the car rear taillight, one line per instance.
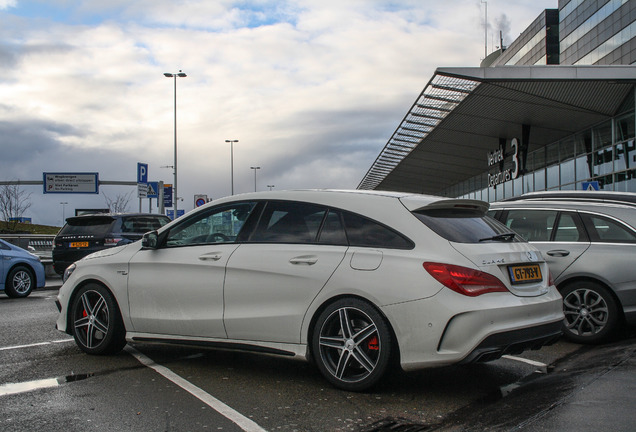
(464, 280)
(550, 280)
(112, 241)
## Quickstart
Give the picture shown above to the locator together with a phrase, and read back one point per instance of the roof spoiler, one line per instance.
(447, 204)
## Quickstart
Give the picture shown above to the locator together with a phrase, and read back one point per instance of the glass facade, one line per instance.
(589, 32)
(538, 44)
(579, 33)
(605, 153)
(597, 32)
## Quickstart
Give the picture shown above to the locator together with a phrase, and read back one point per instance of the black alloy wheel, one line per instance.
(96, 321)
(352, 344)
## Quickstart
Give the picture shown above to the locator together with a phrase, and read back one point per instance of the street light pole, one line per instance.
(255, 168)
(63, 211)
(270, 187)
(180, 74)
(232, 160)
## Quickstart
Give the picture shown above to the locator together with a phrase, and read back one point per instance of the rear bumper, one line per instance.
(450, 328)
(514, 342)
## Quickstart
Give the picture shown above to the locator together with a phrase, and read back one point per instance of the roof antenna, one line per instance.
(485, 2)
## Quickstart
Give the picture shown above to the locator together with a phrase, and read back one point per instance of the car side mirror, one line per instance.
(150, 240)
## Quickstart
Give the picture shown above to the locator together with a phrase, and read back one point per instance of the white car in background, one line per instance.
(349, 279)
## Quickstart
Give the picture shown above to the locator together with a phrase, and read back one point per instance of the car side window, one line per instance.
(567, 229)
(289, 222)
(533, 225)
(215, 225)
(603, 229)
(365, 232)
(333, 231)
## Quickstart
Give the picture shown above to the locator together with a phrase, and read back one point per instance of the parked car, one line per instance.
(589, 242)
(20, 271)
(85, 234)
(350, 279)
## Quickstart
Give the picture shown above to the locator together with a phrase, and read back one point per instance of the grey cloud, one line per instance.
(11, 54)
(23, 140)
(8, 56)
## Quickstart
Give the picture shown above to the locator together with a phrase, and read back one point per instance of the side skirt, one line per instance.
(288, 350)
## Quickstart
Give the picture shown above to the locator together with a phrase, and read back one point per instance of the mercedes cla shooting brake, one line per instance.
(353, 280)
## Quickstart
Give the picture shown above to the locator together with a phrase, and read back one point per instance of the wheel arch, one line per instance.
(312, 324)
(69, 312)
(21, 264)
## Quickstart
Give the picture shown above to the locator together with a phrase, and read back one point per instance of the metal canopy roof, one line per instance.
(463, 112)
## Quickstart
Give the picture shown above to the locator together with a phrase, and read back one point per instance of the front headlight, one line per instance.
(68, 272)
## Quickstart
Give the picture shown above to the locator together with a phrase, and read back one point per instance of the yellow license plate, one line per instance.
(79, 244)
(525, 273)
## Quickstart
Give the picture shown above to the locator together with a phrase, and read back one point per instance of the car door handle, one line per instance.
(213, 256)
(558, 253)
(307, 260)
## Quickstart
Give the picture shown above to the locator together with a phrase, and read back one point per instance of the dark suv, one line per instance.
(83, 235)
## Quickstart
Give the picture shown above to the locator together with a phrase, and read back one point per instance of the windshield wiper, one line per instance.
(506, 237)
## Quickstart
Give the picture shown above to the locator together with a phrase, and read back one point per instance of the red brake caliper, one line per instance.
(373, 344)
(84, 314)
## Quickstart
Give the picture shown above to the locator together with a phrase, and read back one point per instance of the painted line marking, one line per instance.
(239, 419)
(36, 344)
(524, 360)
(14, 388)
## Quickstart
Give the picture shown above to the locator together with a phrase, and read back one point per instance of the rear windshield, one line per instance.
(142, 224)
(97, 226)
(462, 225)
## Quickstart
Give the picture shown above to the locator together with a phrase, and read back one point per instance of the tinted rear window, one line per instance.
(460, 225)
(367, 233)
(142, 224)
(98, 226)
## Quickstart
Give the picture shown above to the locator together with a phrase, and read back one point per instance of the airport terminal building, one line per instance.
(552, 111)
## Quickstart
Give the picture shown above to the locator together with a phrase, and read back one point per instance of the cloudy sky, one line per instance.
(312, 89)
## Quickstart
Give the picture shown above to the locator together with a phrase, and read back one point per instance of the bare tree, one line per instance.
(13, 203)
(119, 204)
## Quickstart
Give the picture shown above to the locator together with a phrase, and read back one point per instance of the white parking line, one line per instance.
(14, 388)
(35, 344)
(239, 419)
(540, 365)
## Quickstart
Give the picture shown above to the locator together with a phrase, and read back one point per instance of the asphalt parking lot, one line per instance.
(47, 383)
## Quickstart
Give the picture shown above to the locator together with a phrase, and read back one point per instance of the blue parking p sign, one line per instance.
(142, 172)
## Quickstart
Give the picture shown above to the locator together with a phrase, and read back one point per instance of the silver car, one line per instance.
(589, 242)
(353, 280)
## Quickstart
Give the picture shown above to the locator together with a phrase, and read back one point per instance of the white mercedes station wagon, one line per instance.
(351, 280)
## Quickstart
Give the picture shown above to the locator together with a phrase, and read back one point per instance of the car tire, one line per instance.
(591, 312)
(351, 344)
(96, 321)
(20, 282)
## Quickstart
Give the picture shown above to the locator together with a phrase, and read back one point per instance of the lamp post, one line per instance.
(270, 187)
(180, 74)
(232, 161)
(255, 168)
(63, 211)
